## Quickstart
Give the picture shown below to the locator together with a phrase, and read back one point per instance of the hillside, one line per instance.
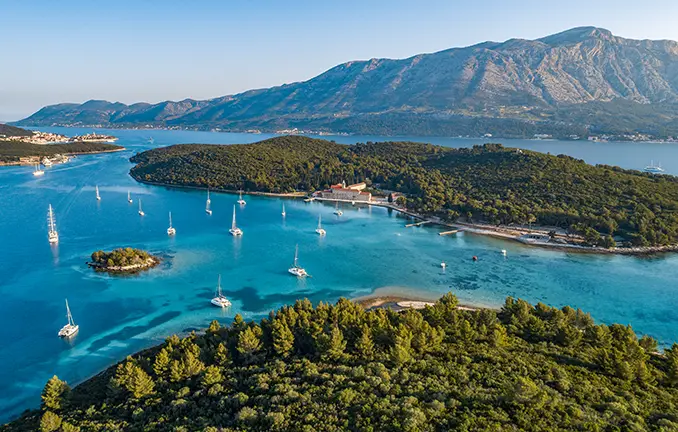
(338, 367)
(11, 151)
(539, 84)
(7, 131)
(484, 183)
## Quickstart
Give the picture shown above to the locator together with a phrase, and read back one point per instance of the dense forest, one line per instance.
(339, 367)
(120, 257)
(487, 183)
(11, 151)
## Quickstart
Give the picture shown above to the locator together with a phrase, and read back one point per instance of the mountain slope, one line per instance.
(519, 79)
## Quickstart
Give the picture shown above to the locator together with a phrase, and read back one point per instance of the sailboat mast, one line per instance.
(68, 314)
(219, 286)
(50, 214)
(170, 217)
(233, 224)
(139, 204)
(296, 256)
(319, 224)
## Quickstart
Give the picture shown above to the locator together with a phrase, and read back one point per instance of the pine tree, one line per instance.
(499, 336)
(214, 327)
(191, 364)
(283, 339)
(54, 393)
(134, 379)
(176, 371)
(365, 344)
(401, 351)
(50, 422)
(672, 363)
(211, 376)
(249, 344)
(162, 362)
(221, 356)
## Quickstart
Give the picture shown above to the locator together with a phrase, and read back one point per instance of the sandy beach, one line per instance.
(401, 298)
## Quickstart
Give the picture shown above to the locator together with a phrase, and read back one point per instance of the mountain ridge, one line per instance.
(540, 82)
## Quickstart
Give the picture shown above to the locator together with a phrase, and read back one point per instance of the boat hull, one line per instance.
(220, 302)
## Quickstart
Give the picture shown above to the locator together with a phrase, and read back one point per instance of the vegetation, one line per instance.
(487, 183)
(339, 367)
(11, 151)
(122, 259)
(7, 130)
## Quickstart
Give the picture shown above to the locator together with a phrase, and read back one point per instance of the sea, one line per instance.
(366, 250)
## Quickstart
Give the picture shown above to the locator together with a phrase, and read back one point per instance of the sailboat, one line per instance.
(141, 212)
(220, 300)
(320, 229)
(208, 210)
(38, 171)
(295, 269)
(171, 230)
(52, 234)
(129, 198)
(337, 211)
(151, 140)
(96, 188)
(71, 328)
(654, 169)
(284, 213)
(234, 229)
(240, 200)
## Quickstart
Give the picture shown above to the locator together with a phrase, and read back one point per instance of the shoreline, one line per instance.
(19, 163)
(130, 269)
(508, 234)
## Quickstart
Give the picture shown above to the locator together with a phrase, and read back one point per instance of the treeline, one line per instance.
(7, 131)
(339, 367)
(487, 183)
(11, 151)
(120, 257)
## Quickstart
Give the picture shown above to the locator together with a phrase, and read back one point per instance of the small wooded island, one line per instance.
(602, 206)
(123, 260)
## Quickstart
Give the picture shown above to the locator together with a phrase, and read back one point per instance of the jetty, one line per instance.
(454, 231)
(418, 223)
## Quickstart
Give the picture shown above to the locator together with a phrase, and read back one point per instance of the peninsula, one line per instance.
(123, 260)
(340, 367)
(485, 185)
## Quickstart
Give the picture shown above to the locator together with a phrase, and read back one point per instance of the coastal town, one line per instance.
(43, 138)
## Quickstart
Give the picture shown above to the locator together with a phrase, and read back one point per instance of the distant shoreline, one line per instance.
(19, 163)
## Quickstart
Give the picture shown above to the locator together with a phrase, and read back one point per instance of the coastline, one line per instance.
(19, 163)
(402, 298)
(506, 233)
(130, 269)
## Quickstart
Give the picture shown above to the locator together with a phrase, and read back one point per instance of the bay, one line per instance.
(365, 249)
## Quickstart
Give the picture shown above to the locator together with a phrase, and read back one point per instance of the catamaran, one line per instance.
(96, 188)
(654, 169)
(71, 328)
(171, 230)
(284, 213)
(320, 229)
(208, 210)
(220, 300)
(129, 198)
(52, 234)
(336, 209)
(234, 229)
(141, 212)
(38, 171)
(295, 269)
(240, 200)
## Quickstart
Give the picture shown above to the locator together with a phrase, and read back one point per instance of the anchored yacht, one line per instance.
(296, 270)
(240, 200)
(70, 329)
(283, 212)
(96, 188)
(52, 234)
(235, 231)
(208, 210)
(38, 171)
(141, 212)
(320, 229)
(171, 230)
(220, 300)
(129, 198)
(336, 209)
(654, 169)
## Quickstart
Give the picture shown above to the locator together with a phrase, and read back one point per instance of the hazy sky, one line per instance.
(130, 51)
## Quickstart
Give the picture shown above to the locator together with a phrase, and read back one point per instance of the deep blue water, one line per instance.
(365, 249)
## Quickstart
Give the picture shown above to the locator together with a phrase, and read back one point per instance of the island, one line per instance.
(123, 260)
(536, 198)
(336, 367)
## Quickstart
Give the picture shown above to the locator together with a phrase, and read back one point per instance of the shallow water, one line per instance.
(364, 249)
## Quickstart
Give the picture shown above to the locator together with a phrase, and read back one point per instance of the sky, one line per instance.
(144, 50)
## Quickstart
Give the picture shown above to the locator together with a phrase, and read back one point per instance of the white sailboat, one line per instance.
(38, 171)
(220, 300)
(235, 231)
(96, 188)
(129, 198)
(171, 230)
(336, 209)
(654, 169)
(52, 234)
(284, 213)
(208, 210)
(296, 270)
(240, 200)
(141, 212)
(71, 328)
(320, 229)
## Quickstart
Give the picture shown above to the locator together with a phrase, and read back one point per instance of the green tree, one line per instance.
(162, 362)
(50, 422)
(283, 339)
(211, 376)
(249, 344)
(55, 393)
(134, 379)
(401, 351)
(365, 344)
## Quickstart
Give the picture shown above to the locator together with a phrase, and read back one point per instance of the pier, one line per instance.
(454, 231)
(417, 223)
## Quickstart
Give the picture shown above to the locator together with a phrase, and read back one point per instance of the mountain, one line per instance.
(8, 131)
(520, 85)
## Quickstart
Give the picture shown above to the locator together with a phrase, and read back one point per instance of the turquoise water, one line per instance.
(365, 249)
